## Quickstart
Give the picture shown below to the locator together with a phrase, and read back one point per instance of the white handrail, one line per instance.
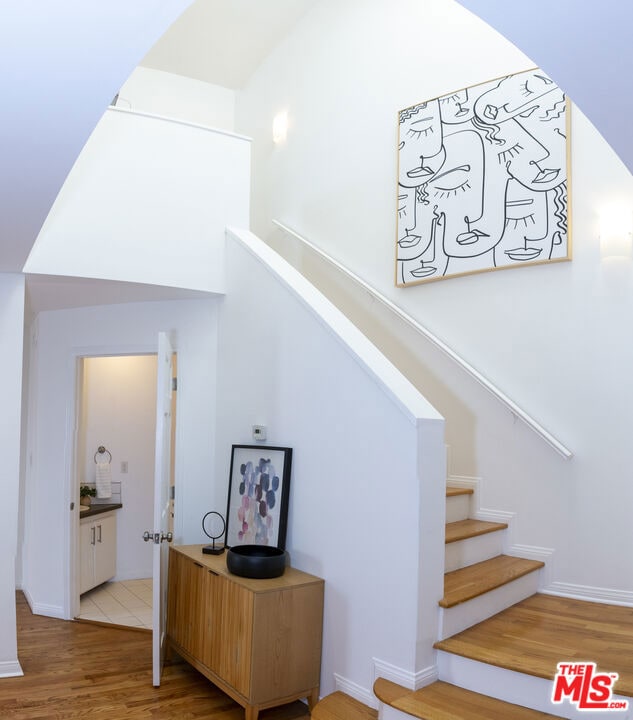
(473, 372)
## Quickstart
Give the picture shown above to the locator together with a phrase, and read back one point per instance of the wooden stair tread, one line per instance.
(474, 580)
(453, 491)
(339, 706)
(463, 529)
(443, 701)
(537, 633)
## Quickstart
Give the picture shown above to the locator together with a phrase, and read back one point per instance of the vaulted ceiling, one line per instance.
(586, 47)
(63, 62)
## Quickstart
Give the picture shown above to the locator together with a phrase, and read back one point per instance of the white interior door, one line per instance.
(161, 533)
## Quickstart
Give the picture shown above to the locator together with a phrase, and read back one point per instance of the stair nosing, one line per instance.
(457, 491)
(332, 702)
(484, 527)
(527, 567)
(392, 694)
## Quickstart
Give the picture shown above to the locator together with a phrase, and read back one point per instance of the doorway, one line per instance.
(116, 432)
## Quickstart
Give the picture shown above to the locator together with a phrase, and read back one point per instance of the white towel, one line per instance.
(104, 480)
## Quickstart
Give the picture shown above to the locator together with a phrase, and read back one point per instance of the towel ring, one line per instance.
(101, 451)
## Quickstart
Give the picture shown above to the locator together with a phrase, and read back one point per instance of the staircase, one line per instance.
(500, 640)
(480, 580)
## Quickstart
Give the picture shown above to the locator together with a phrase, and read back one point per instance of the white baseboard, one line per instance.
(409, 680)
(489, 515)
(10, 668)
(143, 575)
(608, 596)
(463, 481)
(533, 552)
(54, 611)
(356, 691)
(28, 598)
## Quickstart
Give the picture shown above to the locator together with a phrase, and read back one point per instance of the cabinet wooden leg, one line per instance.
(251, 712)
(313, 698)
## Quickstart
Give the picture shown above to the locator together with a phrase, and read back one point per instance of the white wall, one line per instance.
(11, 332)
(367, 453)
(554, 338)
(60, 337)
(147, 202)
(176, 96)
(119, 412)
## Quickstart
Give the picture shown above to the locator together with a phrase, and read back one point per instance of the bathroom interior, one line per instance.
(115, 449)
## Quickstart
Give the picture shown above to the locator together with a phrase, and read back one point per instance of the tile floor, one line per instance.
(128, 602)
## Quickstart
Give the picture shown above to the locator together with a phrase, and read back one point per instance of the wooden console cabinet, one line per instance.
(257, 640)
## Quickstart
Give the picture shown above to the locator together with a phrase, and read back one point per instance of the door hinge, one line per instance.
(174, 384)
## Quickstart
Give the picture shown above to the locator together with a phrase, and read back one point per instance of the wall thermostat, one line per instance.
(259, 432)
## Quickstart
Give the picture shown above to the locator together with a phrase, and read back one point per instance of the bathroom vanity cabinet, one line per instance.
(97, 542)
(257, 640)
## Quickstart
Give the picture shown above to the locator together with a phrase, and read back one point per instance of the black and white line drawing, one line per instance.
(483, 179)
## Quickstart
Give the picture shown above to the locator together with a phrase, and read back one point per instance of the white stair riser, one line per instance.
(386, 712)
(462, 616)
(473, 550)
(514, 687)
(458, 508)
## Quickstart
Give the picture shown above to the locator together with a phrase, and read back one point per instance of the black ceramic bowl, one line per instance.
(256, 561)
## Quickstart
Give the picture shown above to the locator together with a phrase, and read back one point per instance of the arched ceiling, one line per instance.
(585, 47)
(223, 41)
(63, 62)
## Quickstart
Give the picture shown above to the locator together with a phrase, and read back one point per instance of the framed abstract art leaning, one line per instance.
(259, 486)
(483, 179)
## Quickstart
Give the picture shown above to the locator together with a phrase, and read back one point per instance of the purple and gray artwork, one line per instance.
(258, 488)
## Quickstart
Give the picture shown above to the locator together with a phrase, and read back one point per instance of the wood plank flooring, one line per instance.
(75, 671)
(539, 632)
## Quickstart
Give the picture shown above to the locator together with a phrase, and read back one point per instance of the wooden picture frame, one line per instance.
(259, 487)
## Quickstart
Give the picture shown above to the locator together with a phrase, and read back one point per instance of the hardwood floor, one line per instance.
(77, 670)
